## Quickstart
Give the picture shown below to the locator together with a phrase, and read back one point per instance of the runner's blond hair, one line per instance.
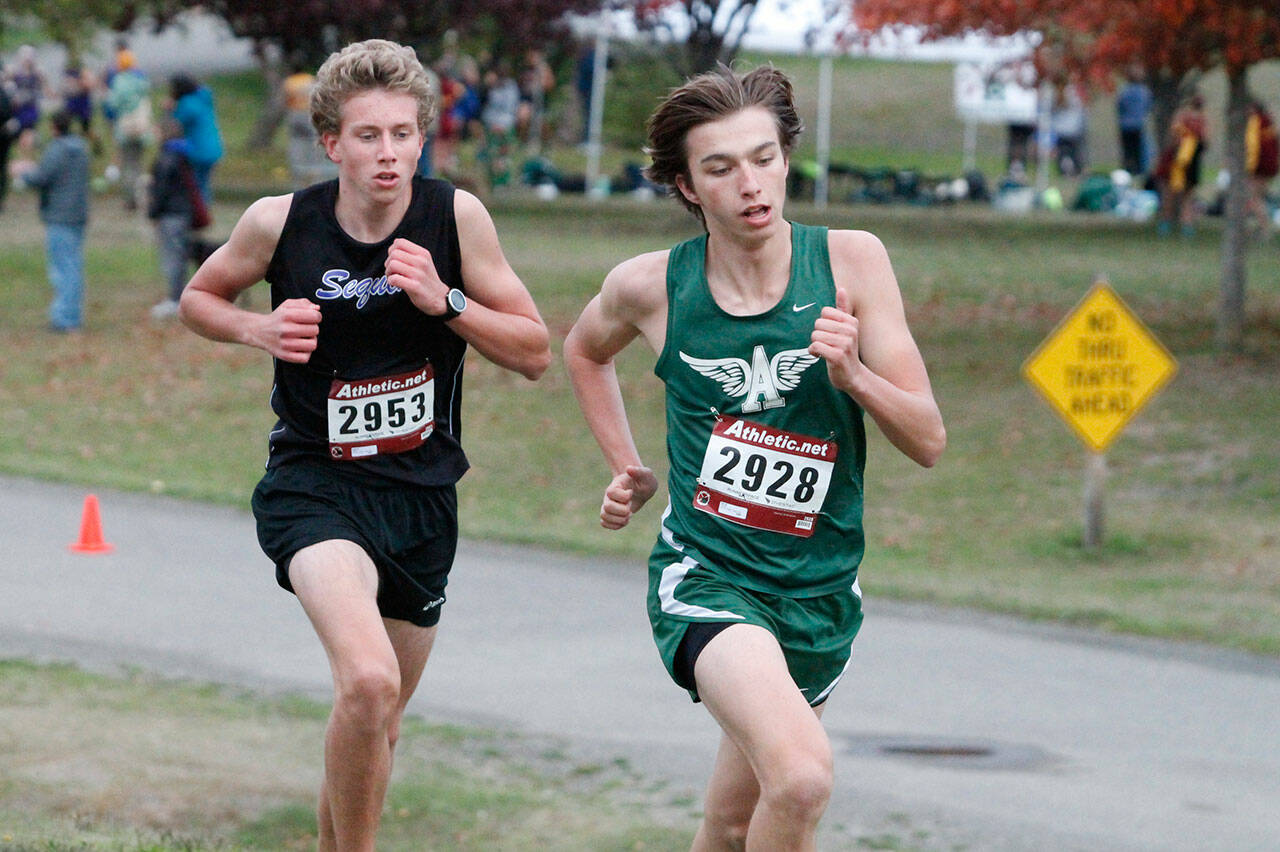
(365, 65)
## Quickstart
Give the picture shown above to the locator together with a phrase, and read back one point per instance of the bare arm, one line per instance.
(208, 303)
(632, 301)
(870, 353)
(501, 320)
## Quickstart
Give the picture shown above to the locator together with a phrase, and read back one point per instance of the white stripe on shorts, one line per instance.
(671, 577)
(822, 696)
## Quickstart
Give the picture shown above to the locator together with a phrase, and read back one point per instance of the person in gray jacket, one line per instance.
(62, 178)
(169, 207)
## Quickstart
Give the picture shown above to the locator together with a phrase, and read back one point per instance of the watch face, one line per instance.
(457, 301)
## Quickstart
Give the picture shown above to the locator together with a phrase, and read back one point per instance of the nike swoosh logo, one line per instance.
(799, 308)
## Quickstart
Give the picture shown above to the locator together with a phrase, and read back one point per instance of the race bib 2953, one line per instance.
(389, 414)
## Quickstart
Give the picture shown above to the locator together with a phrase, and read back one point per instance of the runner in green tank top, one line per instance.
(773, 339)
(752, 422)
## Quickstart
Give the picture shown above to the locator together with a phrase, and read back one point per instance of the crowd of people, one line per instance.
(86, 114)
(162, 141)
(1168, 162)
(500, 109)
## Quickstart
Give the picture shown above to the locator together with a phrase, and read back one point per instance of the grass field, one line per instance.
(122, 771)
(1193, 543)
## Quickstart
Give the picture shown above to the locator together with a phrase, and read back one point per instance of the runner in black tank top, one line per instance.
(380, 282)
(369, 329)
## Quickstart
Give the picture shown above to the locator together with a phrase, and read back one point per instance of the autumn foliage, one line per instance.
(1095, 38)
(1101, 36)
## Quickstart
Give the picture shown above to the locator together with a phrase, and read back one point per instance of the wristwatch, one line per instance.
(455, 302)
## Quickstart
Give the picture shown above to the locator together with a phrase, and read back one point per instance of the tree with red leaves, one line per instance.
(1100, 37)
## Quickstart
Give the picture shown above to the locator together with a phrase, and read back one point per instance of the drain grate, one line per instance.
(953, 752)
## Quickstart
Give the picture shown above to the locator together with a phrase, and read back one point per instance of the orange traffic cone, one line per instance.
(91, 530)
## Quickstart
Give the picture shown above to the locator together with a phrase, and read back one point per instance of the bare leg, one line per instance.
(731, 800)
(773, 774)
(375, 667)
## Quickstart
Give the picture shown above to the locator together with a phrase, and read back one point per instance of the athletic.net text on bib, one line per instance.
(764, 478)
(389, 414)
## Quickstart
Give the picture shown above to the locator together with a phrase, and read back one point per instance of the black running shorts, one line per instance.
(409, 531)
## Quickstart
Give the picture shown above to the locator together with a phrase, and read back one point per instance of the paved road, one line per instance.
(1049, 738)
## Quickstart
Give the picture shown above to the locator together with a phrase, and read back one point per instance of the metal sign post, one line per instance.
(1095, 481)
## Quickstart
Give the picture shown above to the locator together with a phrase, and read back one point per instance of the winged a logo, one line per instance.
(762, 381)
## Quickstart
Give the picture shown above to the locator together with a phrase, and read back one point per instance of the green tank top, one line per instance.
(766, 455)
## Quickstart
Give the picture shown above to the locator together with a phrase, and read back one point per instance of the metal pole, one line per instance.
(970, 145)
(1044, 139)
(823, 140)
(1095, 477)
(595, 125)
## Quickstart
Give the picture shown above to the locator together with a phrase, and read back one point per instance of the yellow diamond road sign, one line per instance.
(1099, 367)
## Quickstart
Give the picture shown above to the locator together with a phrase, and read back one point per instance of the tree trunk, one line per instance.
(272, 115)
(1234, 235)
(1166, 92)
(702, 49)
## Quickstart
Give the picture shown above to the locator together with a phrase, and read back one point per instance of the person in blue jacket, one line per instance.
(193, 109)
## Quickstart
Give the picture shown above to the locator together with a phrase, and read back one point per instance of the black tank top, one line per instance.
(368, 330)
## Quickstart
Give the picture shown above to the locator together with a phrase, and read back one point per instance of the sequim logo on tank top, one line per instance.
(338, 284)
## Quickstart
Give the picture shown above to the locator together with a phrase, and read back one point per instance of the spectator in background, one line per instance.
(433, 129)
(128, 101)
(169, 206)
(471, 99)
(26, 87)
(450, 55)
(448, 124)
(583, 84)
(8, 130)
(62, 178)
(537, 82)
(304, 144)
(1133, 104)
(118, 62)
(193, 108)
(498, 116)
(121, 60)
(1261, 161)
(77, 97)
(1067, 122)
(1020, 148)
(1178, 170)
